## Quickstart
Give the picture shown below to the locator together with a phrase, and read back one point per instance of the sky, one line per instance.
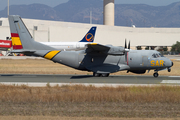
(53, 3)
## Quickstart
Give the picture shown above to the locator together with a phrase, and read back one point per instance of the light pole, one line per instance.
(90, 17)
(8, 9)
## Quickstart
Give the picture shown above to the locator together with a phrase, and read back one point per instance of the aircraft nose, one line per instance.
(172, 64)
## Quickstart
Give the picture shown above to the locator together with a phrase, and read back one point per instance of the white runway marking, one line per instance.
(175, 76)
(61, 84)
(171, 81)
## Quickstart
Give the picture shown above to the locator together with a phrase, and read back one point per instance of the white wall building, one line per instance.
(55, 31)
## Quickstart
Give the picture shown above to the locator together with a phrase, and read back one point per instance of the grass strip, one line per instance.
(90, 101)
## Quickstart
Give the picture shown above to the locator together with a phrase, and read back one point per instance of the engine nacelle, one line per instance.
(116, 51)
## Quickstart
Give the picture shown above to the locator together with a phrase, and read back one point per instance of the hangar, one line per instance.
(57, 31)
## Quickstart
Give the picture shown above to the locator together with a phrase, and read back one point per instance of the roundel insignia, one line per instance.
(89, 37)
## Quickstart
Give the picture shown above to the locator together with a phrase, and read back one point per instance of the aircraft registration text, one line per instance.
(157, 63)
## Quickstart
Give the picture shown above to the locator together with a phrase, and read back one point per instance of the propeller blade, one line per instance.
(129, 46)
(125, 44)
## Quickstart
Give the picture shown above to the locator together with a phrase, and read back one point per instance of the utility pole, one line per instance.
(48, 34)
(90, 17)
(8, 9)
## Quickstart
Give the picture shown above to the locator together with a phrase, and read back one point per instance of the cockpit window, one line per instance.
(156, 55)
(161, 55)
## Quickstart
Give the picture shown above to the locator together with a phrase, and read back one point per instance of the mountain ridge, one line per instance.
(140, 15)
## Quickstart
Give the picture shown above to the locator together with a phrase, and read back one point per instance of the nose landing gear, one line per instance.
(169, 69)
(156, 74)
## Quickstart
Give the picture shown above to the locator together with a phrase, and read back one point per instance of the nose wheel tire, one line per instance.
(155, 75)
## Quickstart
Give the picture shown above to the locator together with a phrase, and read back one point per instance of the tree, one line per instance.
(139, 48)
(165, 48)
(176, 47)
(147, 48)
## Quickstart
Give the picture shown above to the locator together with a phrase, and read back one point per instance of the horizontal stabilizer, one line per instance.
(23, 51)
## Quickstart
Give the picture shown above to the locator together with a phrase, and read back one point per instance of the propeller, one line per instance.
(126, 50)
(129, 46)
(125, 44)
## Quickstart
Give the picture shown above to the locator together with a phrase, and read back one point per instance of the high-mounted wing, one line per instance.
(97, 47)
(106, 49)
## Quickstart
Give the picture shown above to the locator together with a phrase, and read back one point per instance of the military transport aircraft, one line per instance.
(99, 59)
(88, 38)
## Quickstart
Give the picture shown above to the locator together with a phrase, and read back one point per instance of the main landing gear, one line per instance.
(156, 74)
(101, 75)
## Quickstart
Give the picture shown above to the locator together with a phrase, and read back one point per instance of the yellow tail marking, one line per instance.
(51, 54)
(16, 41)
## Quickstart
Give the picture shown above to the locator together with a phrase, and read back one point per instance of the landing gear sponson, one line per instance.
(100, 74)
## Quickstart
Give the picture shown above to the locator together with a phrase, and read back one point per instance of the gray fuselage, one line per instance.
(103, 63)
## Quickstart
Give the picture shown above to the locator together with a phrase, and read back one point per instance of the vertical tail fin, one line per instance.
(21, 37)
(89, 37)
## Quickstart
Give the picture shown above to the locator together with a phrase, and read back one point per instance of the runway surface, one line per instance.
(42, 80)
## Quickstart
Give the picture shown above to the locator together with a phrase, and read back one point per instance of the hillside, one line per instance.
(140, 15)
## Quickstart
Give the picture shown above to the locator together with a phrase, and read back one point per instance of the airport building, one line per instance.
(57, 31)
